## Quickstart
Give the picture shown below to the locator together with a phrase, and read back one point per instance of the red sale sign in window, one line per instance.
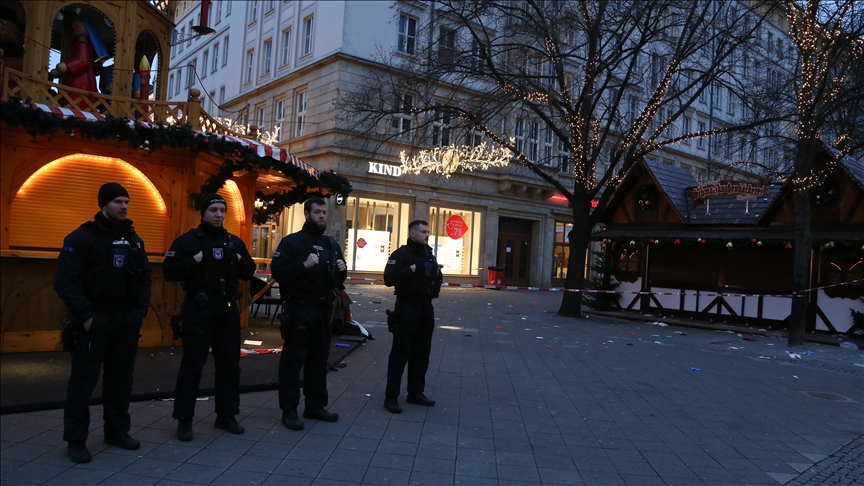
(456, 227)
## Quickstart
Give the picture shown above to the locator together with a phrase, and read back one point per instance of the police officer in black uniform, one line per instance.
(103, 278)
(210, 262)
(309, 268)
(415, 273)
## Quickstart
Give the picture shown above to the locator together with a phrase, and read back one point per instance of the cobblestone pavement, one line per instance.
(524, 397)
(844, 467)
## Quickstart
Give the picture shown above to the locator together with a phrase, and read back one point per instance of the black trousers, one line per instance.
(215, 326)
(112, 343)
(412, 342)
(306, 331)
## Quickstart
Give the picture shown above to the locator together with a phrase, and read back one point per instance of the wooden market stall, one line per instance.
(723, 250)
(59, 143)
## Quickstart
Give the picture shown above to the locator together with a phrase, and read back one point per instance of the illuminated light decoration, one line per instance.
(137, 174)
(656, 242)
(729, 245)
(651, 241)
(789, 245)
(232, 188)
(595, 203)
(632, 244)
(446, 160)
(676, 242)
(830, 244)
(754, 241)
(759, 243)
(558, 197)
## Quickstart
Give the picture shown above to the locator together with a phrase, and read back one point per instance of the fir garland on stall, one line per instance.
(236, 156)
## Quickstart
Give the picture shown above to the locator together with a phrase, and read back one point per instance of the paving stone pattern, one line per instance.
(524, 397)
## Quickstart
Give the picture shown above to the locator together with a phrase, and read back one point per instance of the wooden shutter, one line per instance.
(62, 195)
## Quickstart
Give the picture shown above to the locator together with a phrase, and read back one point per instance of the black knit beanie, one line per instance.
(109, 192)
(209, 199)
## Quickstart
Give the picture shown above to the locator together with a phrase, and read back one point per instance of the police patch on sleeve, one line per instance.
(169, 254)
(276, 255)
(391, 262)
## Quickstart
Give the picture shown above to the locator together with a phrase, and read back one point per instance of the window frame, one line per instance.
(205, 59)
(285, 59)
(402, 116)
(215, 65)
(406, 41)
(308, 35)
(250, 62)
(225, 41)
(267, 57)
(301, 100)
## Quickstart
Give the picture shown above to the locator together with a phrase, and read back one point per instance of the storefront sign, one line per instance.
(340, 200)
(742, 190)
(384, 169)
(456, 227)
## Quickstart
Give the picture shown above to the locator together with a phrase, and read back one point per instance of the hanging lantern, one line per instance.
(698, 240)
(676, 242)
(830, 244)
(632, 244)
(729, 245)
(651, 241)
(754, 241)
(759, 243)
(789, 246)
(656, 242)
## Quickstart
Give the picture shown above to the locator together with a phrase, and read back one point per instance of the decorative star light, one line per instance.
(446, 160)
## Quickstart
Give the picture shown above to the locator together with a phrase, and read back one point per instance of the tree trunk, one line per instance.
(571, 302)
(801, 265)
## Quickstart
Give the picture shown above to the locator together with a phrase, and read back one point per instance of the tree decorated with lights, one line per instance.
(828, 36)
(607, 83)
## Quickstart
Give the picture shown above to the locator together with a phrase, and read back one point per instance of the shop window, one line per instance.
(842, 265)
(627, 267)
(561, 252)
(375, 228)
(454, 236)
(68, 185)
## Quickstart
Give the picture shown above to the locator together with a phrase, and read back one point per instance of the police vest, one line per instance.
(216, 275)
(115, 266)
(425, 282)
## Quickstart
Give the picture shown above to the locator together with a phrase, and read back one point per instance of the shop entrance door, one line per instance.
(514, 250)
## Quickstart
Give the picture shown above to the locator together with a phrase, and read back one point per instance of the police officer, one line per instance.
(309, 267)
(415, 273)
(103, 277)
(210, 262)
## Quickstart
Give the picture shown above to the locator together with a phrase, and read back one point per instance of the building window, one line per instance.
(441, 126)
(300, 113)
(700, 142)
(225, 47)
(221, 98)
(271, 4)
(407, 34)
(401, 121)
(228, 7)
(204, 61)
(211, 99)
(253, 11)
(688, 127)
(179, 82)
(182, 34)
(215, 58)
(564, 156)
(474, 138)
(478, 54)
(190, 76)
(454, 236)
(308, 31)
(561, 252)
(259, 117)
(189, 40)
(519, 134)
(279, 119)
(375, 229)
(170, 81)
(250, 60)
(533, 141)
(548, 140)
(446, 45)
(267, 56)
(286, 47)
(218, 11)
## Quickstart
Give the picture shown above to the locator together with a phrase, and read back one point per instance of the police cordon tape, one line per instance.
(797, 293)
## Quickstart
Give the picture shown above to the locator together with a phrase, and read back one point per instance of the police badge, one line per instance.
(217, 253)
(120, 257)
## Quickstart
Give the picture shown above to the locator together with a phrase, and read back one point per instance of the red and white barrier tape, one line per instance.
(619, 292)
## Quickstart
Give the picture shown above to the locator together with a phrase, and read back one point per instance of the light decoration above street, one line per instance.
(446, 160)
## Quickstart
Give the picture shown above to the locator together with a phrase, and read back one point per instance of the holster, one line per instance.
(287, 324)
(69, 333)
(177, 325)
(392, 321)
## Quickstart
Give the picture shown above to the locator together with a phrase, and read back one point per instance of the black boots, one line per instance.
(184, 430)
(392, 405)
(123, 441)
(229, 424)
(320, 414)
(291, 420)
(77, 450)
(419, 399)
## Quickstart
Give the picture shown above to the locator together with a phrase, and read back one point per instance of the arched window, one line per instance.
(61, 195)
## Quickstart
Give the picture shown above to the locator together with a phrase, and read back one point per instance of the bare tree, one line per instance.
(829, 93)
(611, 81)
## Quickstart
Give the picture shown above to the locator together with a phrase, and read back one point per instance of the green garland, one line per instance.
(235, 156)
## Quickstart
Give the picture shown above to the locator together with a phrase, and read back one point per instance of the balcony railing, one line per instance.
(17, 84)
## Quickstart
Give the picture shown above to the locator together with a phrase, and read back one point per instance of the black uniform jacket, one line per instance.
(180, 264)
(422, 283)
(91, 266)
(293, 277)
